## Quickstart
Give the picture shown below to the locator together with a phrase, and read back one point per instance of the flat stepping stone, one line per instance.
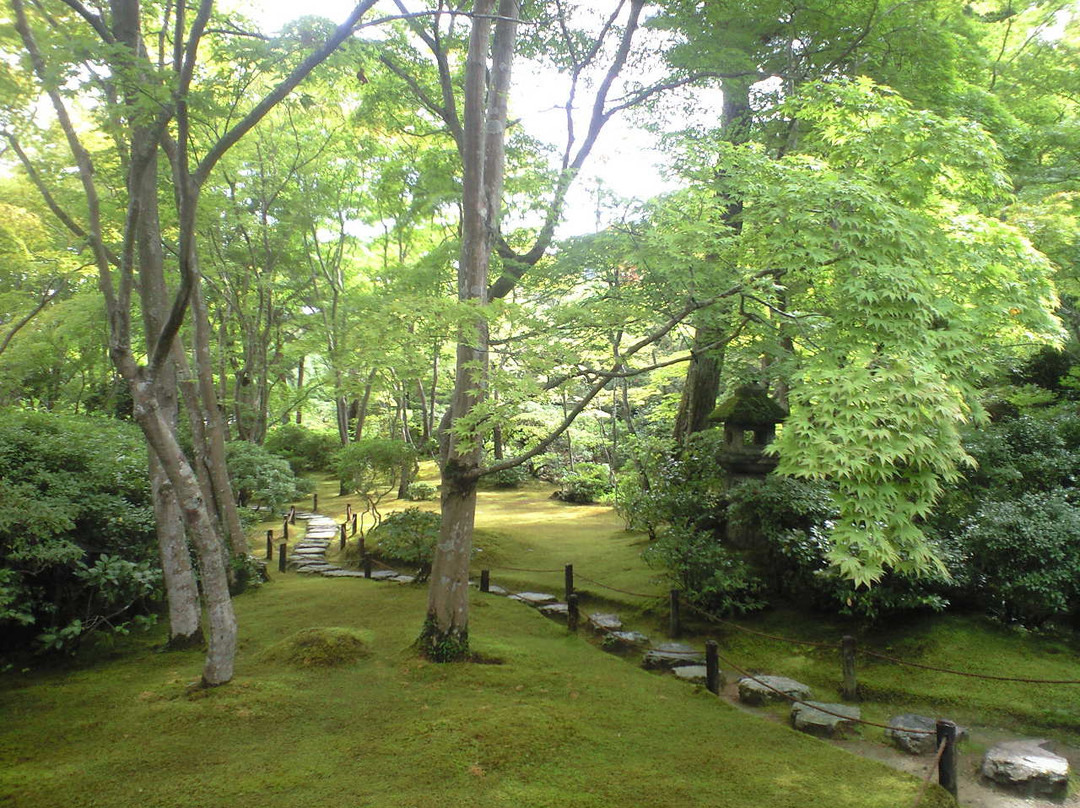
(923, 740)
(534, 598)
(340, 573)
(309, 571)
(624, 640)
(404, 579)
(767, 689)
(810, 719)
(556, 611)
(309, 551)
(695, 673)
(605, 622)
(671, 655)
(383, 575)
(1026, 766)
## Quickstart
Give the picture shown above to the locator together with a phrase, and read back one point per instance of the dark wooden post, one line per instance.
(569, 580)
(354, 523)
(485, 580)
(363, 549)
(367, 566)
(712, 668)
(270, 545)
(315, 502)
(847, 653)
(343, 535)
(281, 557)
(946, 732)
(292, 514)
(572, 613)
(285, 530)
(673, 618)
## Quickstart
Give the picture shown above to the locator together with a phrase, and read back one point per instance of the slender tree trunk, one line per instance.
(299, 389)
(701, 387)
(445, 635)
(181, 591)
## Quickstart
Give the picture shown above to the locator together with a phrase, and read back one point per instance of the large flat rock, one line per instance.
(534, 598)
(825, 720)
(601, 621)
(1026, 766)
(672, 655)
(767, 689)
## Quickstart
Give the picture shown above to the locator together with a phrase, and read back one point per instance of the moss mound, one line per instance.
(320, 648)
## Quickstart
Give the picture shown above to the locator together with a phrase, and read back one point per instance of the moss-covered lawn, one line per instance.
(559, 723)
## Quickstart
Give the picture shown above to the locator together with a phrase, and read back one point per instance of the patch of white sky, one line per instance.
(625, 165)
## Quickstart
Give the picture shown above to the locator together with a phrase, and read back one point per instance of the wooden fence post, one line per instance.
(292, 514)
(270, 545)
(281, 557)
(712, 668)
(354, 516)
(348, 511)
(485, 580)
(673, 618)
(315, 503)
(363, 549)
(572, 613)
(569, 581)
(285, 530)
(946, 732)
(367, 566)
(847, 652)
(343, 535)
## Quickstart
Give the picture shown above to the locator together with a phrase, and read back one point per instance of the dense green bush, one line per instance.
(1024, 556)
(259, 477)
(588, 482)
(505, 479)
(408, 537)
(305, 449)
(78, 548)
(708, 574)
(420, 492)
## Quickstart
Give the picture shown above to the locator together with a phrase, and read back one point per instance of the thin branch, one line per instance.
(46, 299)
(94, 20)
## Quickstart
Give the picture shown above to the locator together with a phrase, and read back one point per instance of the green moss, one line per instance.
(749, 405)
(320, 647)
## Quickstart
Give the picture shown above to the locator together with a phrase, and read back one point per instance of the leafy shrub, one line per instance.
(409, 537)
(305, 449)
(1025, 556)
(707, 573)
(77, 541)
(588, 482)
(257, 476)
(420, 492)
(373, 467)
(506, 479)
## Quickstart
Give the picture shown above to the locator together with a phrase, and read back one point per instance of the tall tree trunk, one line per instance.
(181, 590)
(299, 390)
(445, 635)
(702, 384)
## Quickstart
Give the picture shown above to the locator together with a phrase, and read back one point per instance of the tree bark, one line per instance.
(445, 635)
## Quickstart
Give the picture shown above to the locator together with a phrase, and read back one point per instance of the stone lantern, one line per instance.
(749, 418)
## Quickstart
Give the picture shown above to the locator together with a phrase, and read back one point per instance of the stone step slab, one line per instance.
(671, 655)
(601, 621)
(921, 742)
(763, 690)
(534, 598)
(810, 719)
(1026, 766)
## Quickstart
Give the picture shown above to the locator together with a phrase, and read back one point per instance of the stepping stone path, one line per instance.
(534, 598)
(825, 720)
(766, 689)
(308, 556)
(1027, 767)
